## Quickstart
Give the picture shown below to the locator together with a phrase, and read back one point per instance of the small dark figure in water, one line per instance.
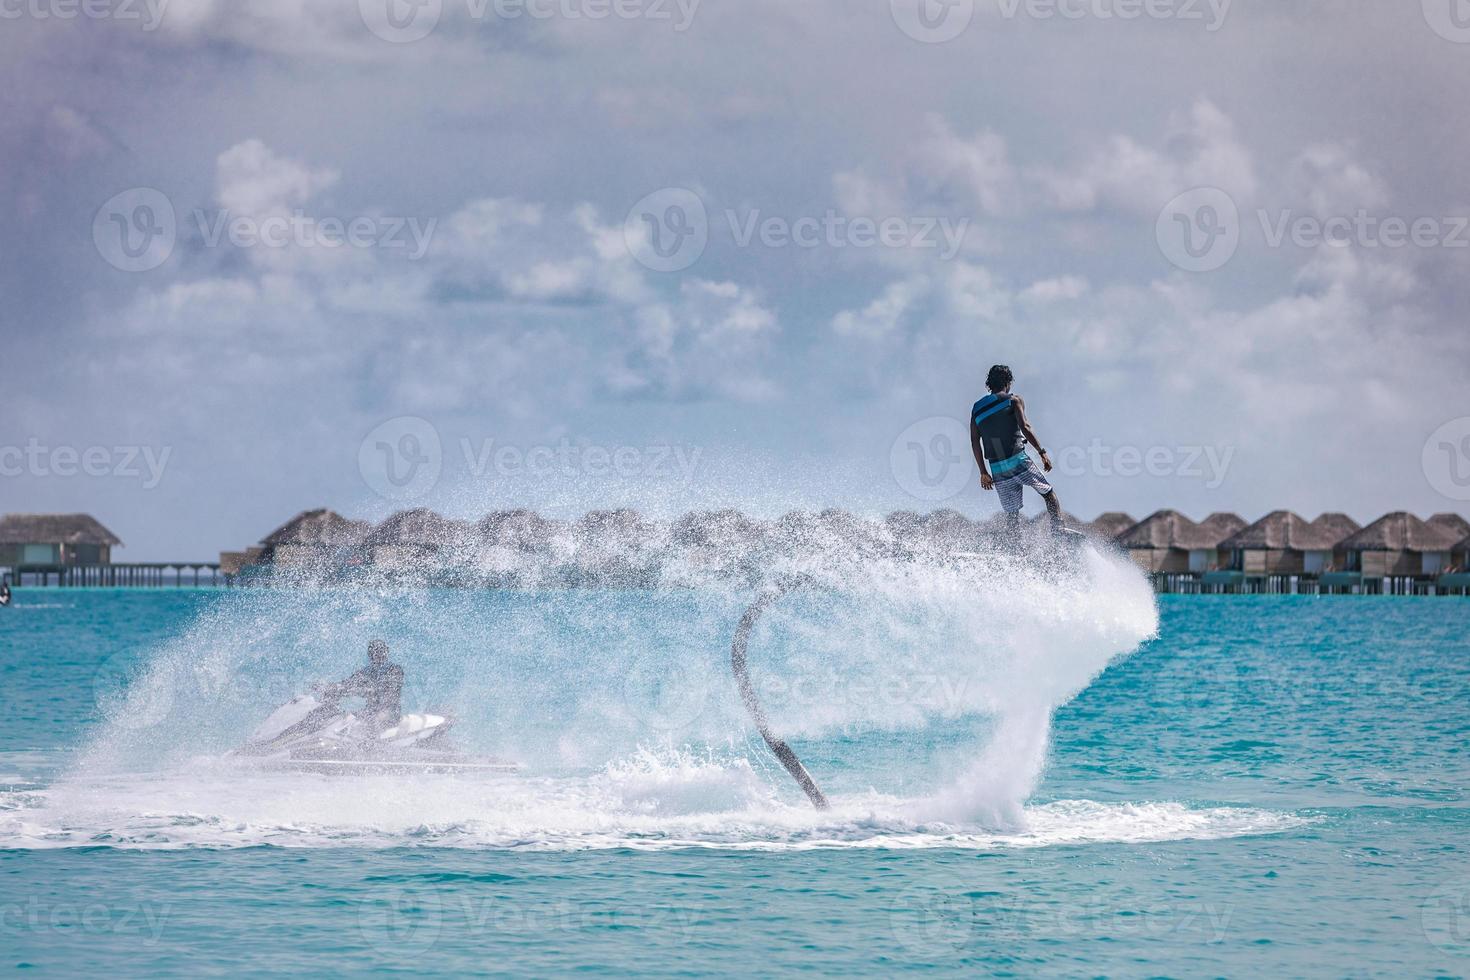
(4, 593)
(999, 432)
(380, 683)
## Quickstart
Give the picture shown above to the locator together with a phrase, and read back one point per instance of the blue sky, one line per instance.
(858, 214)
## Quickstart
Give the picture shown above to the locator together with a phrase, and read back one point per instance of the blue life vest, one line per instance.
(998, 424)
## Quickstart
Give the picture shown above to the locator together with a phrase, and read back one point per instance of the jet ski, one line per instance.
(314, 733)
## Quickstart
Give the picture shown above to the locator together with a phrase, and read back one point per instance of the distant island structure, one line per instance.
(55, 539)
(76, 550)
(1280, 553)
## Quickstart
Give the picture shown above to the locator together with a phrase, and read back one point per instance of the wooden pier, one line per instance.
(1330, 583)
(120, 575)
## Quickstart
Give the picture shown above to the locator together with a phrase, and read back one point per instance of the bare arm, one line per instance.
(1030, 435)
(357, 685)
(985, 479)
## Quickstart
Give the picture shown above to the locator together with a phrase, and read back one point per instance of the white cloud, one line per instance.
(1328, 181)
(885, 313)
(503, 281)
(71, 135)
(1059, 289)
(977, 168)
(254, 182)
(1200, 150)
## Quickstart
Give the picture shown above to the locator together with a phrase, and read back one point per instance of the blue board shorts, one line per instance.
(1009, 488)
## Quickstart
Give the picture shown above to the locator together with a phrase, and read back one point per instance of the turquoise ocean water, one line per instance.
(1267, 785)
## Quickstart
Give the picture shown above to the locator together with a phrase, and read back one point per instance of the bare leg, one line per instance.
(1054, 509)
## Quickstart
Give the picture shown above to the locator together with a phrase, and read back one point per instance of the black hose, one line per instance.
(780, 749)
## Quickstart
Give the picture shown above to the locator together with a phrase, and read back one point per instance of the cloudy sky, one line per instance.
(575, 253)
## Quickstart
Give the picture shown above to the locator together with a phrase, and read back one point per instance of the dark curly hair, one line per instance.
(999, 378)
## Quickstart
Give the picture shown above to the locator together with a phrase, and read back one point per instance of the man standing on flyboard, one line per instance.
(999, 432)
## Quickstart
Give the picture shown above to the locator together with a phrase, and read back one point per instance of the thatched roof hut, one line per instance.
(510, 547)
(1167, 541)
(793, 529)
(622, 523)
(1336, 527)
(1280, 530)
(1159, 530)
(55, 539)
(613, 549)
(55, 528)
(420, 527)
(1399, 544)
(1159, 542)
(1213, 530)
(801, 531)
(943, 530)
(714, 529)
(1108, 525)
(1400, 531)
(1282, 543)
(418, 541)
(520, 529)
(904, 525)
(717, 538)
(1453, 523)
(318, 527)
(948, 530)
(314, 539)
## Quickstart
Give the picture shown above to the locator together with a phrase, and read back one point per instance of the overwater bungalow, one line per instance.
(1282, 543)
(1396, 546)
(613, 549)
(721, 530)
(1337, 528)
(719, 540)
(416, 541)
(520, 530)
(55, 539)
(1167, 542)
(621, 526)
(1214, 531)
(1281, 552)
(1456, 525)
(949, 530)
(1458, 577)
(319, 539)
(1108, 525)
